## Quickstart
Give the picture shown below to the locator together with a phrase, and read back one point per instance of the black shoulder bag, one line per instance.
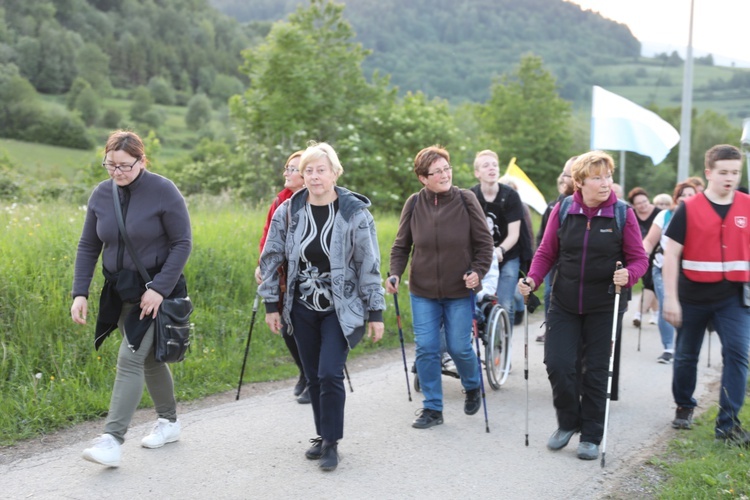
(172, 325)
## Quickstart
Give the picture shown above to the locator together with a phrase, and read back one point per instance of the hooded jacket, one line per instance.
(358, 295)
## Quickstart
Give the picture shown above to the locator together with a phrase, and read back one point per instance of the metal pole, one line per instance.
(622, 171)
(745, 142)
(683, 163)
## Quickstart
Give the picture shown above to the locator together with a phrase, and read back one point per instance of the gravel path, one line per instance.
(253, 448)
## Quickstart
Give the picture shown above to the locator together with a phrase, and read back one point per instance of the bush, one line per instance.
(112, 118)
(59, 128)
(161, 90)
(199, 112)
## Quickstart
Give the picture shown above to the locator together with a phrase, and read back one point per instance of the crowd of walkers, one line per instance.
(319, 275)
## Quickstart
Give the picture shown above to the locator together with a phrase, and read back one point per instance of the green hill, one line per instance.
(454, 48)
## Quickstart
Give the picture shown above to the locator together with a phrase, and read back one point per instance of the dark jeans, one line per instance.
(576, 352)
(732, 323)
(323, 350)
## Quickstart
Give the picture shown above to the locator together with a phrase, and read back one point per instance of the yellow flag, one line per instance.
(528, 192)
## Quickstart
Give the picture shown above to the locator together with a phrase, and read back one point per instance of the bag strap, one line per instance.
(129, 244)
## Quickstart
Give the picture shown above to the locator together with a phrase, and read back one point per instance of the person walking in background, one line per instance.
(327, 237)
(706, 267)
(293, 182)
(565, 188)
(503, 210)
(654, 244)
(663, 201)
(645, 212)
(587, 241)
(445, 232)
(158, 224)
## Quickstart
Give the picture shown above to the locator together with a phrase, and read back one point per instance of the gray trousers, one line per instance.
(133, 369)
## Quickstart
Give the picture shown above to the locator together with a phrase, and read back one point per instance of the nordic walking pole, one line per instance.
(346, 372)
(400, 335)
(611, 366)
(247, 346)
(475, 329)
(526, 356)
(640, 311)
(709, 347)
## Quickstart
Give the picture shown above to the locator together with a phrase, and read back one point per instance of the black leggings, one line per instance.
(576, 353)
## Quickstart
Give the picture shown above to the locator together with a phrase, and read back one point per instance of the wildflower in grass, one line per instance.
(52, 378)
(38, 376)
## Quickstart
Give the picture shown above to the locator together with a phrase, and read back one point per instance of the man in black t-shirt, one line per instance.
(504, 211)
(708, 255)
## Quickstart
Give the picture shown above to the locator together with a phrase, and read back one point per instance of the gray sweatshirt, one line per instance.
(157, 222)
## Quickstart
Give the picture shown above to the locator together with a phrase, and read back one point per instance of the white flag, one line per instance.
(618, 124)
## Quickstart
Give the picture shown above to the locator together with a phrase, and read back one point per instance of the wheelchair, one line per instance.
(493, 328)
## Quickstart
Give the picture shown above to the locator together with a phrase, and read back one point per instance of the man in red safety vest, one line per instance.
(706, 272)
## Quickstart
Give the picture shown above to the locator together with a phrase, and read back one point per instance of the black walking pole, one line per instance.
(526, 356)
(479, 357)
(611, 366)
(401, 335)
(247, 346)
(346, 372)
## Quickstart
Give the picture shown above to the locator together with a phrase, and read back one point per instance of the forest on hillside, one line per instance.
(453, 48)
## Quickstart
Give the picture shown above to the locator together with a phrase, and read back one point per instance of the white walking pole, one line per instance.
(611, 366)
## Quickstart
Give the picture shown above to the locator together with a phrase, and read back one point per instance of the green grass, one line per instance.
(43, 162)
(50, 375)
(700, 467)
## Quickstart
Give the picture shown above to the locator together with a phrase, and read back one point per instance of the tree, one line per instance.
(199, 111)
(142, 102)
(161, 90)
(88, 105)
(526, 118)
(92, 64)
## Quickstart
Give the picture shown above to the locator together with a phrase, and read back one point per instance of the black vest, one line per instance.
(588, 255)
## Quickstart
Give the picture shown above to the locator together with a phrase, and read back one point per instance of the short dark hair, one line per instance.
(125, 140)
(427, 157)
(721, 152)
(636, 191)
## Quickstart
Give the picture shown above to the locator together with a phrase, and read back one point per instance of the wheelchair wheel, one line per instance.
(497, 347)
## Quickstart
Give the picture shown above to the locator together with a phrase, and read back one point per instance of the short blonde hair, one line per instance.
(486, 152)
(589, 164)
(316, 151)
(663, 198)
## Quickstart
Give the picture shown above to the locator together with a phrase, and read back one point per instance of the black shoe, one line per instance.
(427, 418)
(541, 338)
(329, 459)
(683, 418)
(304, 398)
(315, 451)
(736, 436)
(560, 439)
(301, 384)
(473, 401)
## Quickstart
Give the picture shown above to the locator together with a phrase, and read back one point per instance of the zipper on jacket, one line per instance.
(583, 265)
(437, 245)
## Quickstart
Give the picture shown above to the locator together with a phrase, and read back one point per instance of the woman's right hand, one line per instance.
(273, 320)
(79, 310)
(525, 286)
(258, 278)
(391, 284)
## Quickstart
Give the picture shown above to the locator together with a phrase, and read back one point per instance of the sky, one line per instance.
(720, 27)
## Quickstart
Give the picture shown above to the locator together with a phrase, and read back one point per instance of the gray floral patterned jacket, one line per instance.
(358, 295)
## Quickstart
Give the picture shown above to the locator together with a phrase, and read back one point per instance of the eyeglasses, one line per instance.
(290, 170)
(440, 171)
(123, 168)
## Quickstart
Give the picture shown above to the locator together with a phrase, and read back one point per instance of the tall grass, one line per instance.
(50, 375)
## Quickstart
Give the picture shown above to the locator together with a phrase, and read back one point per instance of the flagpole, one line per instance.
(622, 170)
(683, 162)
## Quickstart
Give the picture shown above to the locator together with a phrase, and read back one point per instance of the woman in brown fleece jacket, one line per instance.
(444, 229)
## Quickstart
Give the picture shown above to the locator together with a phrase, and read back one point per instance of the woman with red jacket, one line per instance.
(293, 182)
(586, 243)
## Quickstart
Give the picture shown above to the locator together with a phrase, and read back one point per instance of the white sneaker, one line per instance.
(105, 450)
(163, 432)
(654, 318)
(637, 319)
